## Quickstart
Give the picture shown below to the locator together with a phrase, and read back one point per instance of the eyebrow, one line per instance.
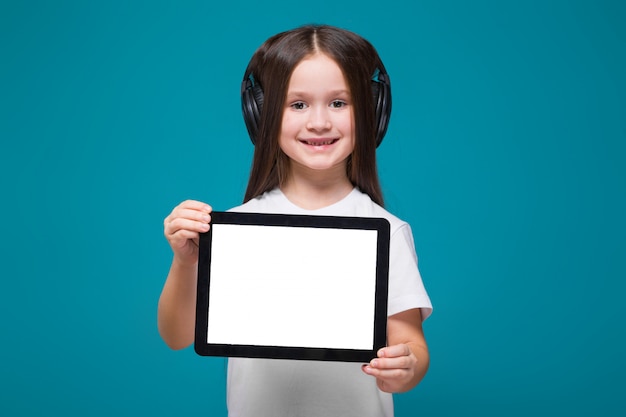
(292, 94)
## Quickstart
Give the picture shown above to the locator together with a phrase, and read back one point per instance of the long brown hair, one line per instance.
(272, 65)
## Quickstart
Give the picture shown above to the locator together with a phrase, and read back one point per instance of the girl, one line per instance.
(316, 102)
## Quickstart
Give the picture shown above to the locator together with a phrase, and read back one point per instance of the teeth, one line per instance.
(328, 142)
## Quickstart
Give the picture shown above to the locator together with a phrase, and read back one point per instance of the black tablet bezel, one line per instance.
(204, 348)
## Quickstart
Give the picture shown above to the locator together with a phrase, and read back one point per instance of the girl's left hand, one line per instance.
(394, 368)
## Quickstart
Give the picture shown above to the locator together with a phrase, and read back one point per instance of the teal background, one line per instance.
(506, 153)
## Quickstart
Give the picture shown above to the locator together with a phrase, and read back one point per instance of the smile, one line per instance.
(318, 142)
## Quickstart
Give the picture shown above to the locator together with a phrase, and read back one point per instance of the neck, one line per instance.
(312, 190)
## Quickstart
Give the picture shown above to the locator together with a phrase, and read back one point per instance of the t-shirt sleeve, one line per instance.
(406, 289)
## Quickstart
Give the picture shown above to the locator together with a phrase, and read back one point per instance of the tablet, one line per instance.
(292, 287)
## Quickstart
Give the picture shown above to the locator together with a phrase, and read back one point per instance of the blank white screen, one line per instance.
(292, 286)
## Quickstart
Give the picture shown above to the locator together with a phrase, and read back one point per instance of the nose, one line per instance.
(319, 119)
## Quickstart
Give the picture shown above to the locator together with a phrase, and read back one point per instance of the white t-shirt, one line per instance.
(292, 388)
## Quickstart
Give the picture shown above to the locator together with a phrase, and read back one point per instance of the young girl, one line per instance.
(316, 101)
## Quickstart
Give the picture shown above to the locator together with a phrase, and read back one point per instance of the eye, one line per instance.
(298, 105)
(337, 104)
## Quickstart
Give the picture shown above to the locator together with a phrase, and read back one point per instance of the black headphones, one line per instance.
(252, 102)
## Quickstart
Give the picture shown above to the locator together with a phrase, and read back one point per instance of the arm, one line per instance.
(401, 365)
(177, 304)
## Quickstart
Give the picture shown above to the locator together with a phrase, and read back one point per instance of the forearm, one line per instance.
(401, 365)
(177, 305)
(406, 328)
(421, 367)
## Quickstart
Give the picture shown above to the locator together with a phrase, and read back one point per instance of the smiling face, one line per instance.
(317, 131)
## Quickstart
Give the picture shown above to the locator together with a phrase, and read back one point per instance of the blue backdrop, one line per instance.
(506, 153)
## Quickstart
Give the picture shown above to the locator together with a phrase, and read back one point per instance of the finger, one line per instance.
(188, 213)
(192, 214)
(188, 206)
(401, 362)
(195, 205)
(394, 351)
(175, 219)
(387, 374)
(182, 237)
(181, 224)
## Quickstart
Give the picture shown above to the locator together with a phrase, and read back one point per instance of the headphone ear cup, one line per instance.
(251, 106)
(257, 92)
(381, 91)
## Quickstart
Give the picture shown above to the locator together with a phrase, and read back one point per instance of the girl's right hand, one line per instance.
(182, 228)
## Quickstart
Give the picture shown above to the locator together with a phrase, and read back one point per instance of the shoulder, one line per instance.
(369, 208)
(264, 203)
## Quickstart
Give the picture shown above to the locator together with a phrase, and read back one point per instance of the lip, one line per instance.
(319, 142)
